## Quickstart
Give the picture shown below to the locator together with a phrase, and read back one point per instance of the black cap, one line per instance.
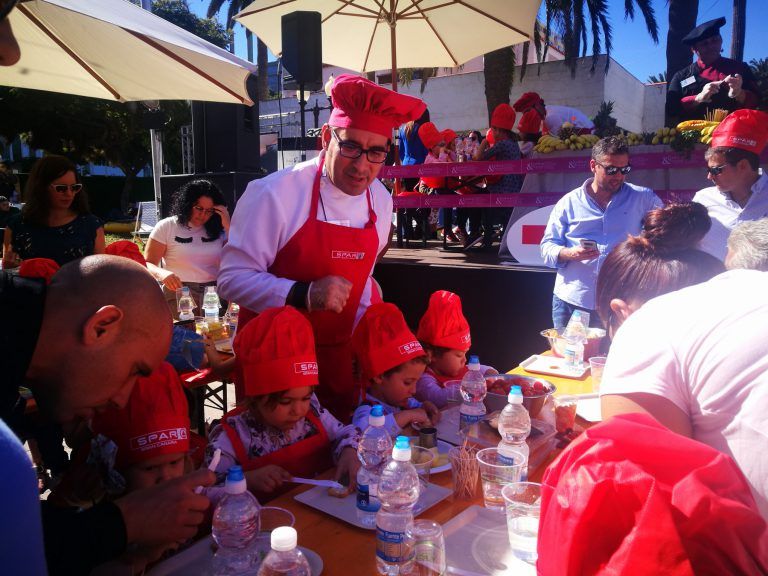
(704, 31)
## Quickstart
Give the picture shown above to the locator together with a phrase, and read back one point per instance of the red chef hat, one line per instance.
(127, 249)
(154, 422)
(530, 123)
(43, 268)
(276, 351)
(448, 135)
(489, 137)
(526, 101)
(382, 340)
(631, 497)
(744, 129)
(429, 135)
(361, 104)
(444, 324)
(503, 117)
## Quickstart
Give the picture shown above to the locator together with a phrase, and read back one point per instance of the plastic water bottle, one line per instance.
(473, 391)
(186, 305)
(373, 451)
(514, 428)
(285, 559)
(235, 527)
(398, 492)
(211, 304)
(231, 317)
(575, 336)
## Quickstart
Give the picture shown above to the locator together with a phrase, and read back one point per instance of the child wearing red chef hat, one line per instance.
(391, 361)
(444, 334)
(280, 430)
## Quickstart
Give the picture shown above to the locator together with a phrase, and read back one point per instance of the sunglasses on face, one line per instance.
(716, 170)
(201, 210)
(353, 150)
(64, 188)
(612, 170)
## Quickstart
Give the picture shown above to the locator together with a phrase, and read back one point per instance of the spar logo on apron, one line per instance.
(347, 255)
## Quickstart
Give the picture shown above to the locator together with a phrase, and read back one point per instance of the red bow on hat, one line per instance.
(503, 117)
(631, 497)
(43, 268)
(153, 423)
(744, 129)
(364, 105)
(530, 123)
(127, 249)
(382, 340)
(444, 324)
(276, 352)
(429, 135)
(526, 101)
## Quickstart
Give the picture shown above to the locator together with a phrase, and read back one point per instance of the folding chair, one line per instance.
(146, 219)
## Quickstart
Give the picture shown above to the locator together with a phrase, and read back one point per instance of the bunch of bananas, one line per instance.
(547, 144)
(664, 135)
(696, 125)
(706, 134)
(634, 139)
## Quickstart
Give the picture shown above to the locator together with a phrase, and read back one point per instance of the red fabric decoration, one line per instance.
(631, 497)
(503, 117)
(363, 105)
(744, 129)
(444, 324)
(382, 340)
(276, 351)
(154, 422)
(127, 249)
(43, 268)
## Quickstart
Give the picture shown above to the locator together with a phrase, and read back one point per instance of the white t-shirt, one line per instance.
(270, 212)
(705, 349)
(188, 252)
(726, 214)
(557, 115)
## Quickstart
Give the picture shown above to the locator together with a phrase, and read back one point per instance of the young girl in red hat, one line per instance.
(280, 430)
(391, 360)
(444, 334)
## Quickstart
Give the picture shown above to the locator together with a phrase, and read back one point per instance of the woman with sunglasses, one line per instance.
(186, 247)
(55, 222)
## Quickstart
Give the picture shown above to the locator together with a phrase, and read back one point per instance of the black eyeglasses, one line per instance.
(716, 170)
(201, 210)
(353, 150)
(64, 188)
(6, 8)
(612, 170)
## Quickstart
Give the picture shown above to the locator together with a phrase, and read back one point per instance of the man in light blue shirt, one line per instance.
(587, 223)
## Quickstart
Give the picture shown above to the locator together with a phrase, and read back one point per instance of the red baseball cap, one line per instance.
(526, 101)
(43, 268)
(382, 340)
(444, 324)
(127, 249)
(429, 135)
(744, 129)
(361, 104)
(154, 422)
(276, 351)
(503, 117)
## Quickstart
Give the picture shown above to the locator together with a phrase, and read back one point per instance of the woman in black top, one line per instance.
(55, 222)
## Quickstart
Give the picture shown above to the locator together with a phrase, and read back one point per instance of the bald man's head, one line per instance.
(105, 323)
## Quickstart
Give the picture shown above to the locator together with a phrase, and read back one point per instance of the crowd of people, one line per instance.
(317, 346)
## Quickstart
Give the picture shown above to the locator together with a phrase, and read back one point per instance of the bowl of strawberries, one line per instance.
(535, 391)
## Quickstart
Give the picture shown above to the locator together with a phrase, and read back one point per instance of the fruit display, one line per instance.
(501, 385)
(549, 143)
(664, 135)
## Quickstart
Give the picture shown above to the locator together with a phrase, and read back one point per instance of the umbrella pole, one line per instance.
(156, 146)
(393, 45)
(303, 128)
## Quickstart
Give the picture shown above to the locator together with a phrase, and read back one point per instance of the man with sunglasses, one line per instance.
(309, 236)
(740, 192)
(712, 81)
(587, 223)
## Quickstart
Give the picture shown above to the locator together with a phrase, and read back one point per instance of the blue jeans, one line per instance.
(562, 311)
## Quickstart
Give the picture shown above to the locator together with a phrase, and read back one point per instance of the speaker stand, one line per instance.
(302, 105)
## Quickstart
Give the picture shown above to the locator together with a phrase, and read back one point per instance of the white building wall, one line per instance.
(628, 96)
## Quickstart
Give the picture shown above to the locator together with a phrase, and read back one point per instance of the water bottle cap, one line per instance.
(284, 538)
(474, 359)
(185, 290)
(235, 483)
(376, 416)
(235, 474)
(515, 395)
(402, 450)
(209, 289)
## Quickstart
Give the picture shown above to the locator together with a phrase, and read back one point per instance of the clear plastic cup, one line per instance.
(428, 547)
(422, 459)
(596, 367)
(454, 390)
(465, 471)
(495, 473)
(522, 502)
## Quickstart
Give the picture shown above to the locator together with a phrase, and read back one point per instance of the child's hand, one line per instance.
(432, 412)
(267, 478)
(418, 416)
(347, 467)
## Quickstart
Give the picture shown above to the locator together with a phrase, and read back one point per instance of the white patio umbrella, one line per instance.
(367, 35)
(114, 49)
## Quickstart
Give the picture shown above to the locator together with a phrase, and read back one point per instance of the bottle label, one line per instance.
(365, 500)
(470, 418)
(505, 460)
(392, 547)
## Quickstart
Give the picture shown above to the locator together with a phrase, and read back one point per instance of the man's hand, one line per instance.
(347, 467)
(330, 293)
(734, 87)
(167, 513)
(267, 478)
(577, 253)
(708, 91)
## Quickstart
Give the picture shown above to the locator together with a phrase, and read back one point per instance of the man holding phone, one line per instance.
(587, 223)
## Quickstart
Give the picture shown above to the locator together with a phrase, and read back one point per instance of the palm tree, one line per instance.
(235, 6)
(654, 79)
(738, 29)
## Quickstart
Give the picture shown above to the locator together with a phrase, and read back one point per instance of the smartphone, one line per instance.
(588, 244)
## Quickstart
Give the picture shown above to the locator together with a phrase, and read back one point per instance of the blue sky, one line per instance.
(632, 47)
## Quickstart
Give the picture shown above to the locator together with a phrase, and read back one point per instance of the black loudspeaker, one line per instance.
(225, 137)
(231, 184)
(303, 49)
